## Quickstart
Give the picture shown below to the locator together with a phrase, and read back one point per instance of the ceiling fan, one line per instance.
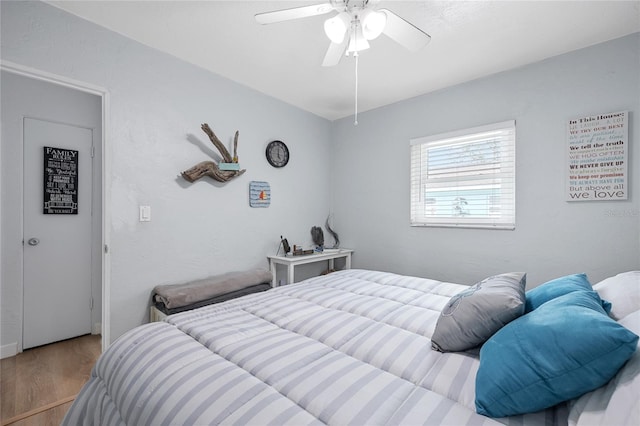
(355, 23)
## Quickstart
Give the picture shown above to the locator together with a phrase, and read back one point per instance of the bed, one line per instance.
(350, 347)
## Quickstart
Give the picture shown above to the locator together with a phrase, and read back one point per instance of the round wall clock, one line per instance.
(277, 154)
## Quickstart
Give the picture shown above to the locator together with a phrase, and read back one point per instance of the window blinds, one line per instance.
(465, 178)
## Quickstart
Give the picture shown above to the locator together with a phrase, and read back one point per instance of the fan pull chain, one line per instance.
(355, 123)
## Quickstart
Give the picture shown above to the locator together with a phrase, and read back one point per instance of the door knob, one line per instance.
(33, 241)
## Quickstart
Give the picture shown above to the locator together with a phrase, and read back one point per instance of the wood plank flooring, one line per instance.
(45, 378)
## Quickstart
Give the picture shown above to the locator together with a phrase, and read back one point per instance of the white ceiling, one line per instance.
(470, 39)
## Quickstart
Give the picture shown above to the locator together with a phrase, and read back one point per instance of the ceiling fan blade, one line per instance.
(404, 32)
(294, 13)
(335, 53)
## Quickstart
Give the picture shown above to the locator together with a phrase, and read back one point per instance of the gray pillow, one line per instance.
(474, 315)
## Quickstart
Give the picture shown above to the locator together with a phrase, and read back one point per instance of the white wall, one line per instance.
(552, 237)
(157, 104)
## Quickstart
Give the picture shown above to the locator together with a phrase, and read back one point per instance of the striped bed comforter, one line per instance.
(351, 347)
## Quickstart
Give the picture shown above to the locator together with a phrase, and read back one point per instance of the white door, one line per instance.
(57, 244)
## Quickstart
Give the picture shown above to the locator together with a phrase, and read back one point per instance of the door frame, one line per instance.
(105, 182)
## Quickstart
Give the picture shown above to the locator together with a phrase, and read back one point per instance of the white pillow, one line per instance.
(617, 402)
(623, 291)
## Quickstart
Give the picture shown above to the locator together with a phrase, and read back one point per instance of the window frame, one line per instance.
(501, 175)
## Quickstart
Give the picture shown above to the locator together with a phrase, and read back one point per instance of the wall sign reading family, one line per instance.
(597, 149)
(60, 181)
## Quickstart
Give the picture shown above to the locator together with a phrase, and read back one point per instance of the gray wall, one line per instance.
(157, 104)
(552, 237)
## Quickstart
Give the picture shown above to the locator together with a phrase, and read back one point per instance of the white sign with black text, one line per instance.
(597, 148)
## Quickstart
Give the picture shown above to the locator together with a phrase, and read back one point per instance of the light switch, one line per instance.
(145, 213)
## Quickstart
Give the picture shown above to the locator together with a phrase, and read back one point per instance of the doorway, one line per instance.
(57, 229)
(56, 111)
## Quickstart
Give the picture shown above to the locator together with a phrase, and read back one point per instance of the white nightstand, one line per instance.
(292, 261)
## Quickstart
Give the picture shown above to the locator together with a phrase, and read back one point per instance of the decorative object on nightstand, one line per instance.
(285, 246)
(318, 238)
(259, 194)
(333, 233)
(222, 172)
(299, 251)
(277, 154)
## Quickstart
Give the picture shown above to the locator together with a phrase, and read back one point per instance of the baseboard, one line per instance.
(97, 328)
(38, 410)
(9, 350)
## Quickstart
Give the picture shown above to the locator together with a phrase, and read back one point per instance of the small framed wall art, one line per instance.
(259, 194)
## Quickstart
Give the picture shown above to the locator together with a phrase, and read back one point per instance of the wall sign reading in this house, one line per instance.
(60, 181)
(597, 149)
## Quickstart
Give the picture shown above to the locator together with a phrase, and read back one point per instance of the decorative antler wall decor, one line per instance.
(210, 168)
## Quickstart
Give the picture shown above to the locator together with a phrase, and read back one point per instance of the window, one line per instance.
(465, 178)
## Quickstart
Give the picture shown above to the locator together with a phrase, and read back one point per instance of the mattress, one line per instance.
(351, 347)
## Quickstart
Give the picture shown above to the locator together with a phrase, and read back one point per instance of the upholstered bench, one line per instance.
(174, 298)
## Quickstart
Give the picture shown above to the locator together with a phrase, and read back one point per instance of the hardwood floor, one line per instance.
(41, 382)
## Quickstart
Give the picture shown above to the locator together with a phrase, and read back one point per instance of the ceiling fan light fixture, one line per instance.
(335, 28)
(373, 23)
(357, 42)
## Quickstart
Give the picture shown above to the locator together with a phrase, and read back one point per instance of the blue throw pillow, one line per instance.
(563, 349)
(537, 296)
